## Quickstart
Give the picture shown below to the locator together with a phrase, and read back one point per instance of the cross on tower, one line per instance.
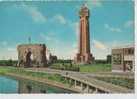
(29, 40)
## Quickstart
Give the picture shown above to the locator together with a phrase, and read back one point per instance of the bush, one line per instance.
(65, 66)
(8, 62)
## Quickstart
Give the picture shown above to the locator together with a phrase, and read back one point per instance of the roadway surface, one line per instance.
(99, 74)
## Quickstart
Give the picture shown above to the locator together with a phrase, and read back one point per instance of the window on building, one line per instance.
(130, 51)
(117, 59)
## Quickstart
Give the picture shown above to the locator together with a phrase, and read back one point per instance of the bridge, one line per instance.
(86, 82)
(92, 85)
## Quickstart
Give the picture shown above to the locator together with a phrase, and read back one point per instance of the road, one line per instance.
(106, 74)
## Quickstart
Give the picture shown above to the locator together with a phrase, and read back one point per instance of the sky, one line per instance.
(55, 24)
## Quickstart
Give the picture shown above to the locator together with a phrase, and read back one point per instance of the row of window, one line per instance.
(128, 51)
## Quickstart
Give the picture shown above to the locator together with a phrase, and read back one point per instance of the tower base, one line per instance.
(84, 59)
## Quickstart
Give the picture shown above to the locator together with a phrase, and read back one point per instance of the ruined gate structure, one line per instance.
(32, 55)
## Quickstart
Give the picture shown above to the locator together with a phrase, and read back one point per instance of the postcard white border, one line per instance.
(82, 96)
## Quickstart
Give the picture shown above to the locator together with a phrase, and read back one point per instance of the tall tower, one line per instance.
(84, 56)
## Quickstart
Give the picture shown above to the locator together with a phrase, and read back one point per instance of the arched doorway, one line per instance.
(29, 58)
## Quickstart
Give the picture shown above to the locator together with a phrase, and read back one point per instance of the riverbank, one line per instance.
(50, 79)
(58, 78)
(44, 81)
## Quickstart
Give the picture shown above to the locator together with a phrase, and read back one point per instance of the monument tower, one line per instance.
(84, 56)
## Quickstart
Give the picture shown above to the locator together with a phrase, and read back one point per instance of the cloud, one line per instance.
(94, 3)
(115, 43)
(75, 27)
(36, 15)
(8, 53)
(45, 37)
(112, 29)
(99, 45)
(11, 49)
(100, 54)
(49, 37)
(60, 19)
(63, 50)
(74, 50)
(4, 43)
(100, 49)
(129, 23)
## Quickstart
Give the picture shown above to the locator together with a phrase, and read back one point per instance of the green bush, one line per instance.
(95, 68)
(8, 62)
(65, 66)
(124, 82)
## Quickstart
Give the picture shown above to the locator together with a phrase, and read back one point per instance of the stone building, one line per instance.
(84, 56)
(32, 55)
(123, 59)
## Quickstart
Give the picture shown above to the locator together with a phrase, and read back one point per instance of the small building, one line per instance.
(123, 59)
(52, 58)
(32, 55)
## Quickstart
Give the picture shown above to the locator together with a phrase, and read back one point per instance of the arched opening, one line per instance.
(29, 88)
(29, 58)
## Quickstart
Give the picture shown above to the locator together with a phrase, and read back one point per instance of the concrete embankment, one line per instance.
(44, 81)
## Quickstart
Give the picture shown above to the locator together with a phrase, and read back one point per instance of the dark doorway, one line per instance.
(28, 59)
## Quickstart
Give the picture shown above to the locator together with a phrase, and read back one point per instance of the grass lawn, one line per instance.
(21, 71)
(85, 68)
(124, 82)
(95, 68)
(6, 69)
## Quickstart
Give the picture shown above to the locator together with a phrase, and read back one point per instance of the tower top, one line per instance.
(84, 11)
(84, 6)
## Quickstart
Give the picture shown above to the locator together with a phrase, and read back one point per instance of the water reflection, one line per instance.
(8, 85)
(27, 86)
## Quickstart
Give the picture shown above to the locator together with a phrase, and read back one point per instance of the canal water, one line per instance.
(12, 85)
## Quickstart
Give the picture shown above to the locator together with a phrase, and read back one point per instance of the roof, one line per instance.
(123, 46)
(31, 45)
